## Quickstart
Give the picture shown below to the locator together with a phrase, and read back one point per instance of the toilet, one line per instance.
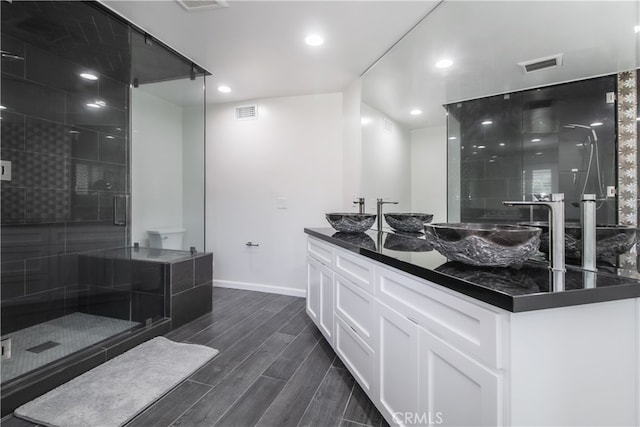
(166, 238)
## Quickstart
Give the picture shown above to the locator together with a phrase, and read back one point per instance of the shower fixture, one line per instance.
(592, 143)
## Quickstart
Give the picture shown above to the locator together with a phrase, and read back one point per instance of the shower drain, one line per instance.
(43, 347)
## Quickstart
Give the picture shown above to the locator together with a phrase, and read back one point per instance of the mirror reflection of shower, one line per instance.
(589, 144)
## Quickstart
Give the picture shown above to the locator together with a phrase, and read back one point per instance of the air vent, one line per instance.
(247, 112)
(195, 5)
(541, 63)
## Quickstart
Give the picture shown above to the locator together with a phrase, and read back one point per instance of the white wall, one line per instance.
(292, 151)
(156, 175)
(386, 162)
(352, 146)
(429, 172)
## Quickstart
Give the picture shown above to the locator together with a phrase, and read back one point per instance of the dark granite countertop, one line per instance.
(529, 287)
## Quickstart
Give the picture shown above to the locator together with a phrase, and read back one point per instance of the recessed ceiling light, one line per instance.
(444, 63)
(88, 76)
(596, 124)
(110, 137)
(492, 160)
(502, 144)
(224, 89)
(487, 122)
(415, 112)
(535, 140)
(579, 144)
(314, 40)
(453, 137)
(574, 170)
(538, 153)
(475, 152)
(93, 105)
(481, 146)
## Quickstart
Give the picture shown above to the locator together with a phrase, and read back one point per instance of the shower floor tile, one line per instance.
(71, 333)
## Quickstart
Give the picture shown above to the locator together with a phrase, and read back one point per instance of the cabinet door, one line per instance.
(326, 303)
(397, 366)
(356, 355)
(313, 290)
(455, 389)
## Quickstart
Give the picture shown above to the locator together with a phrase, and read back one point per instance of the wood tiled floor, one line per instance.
(274, 369)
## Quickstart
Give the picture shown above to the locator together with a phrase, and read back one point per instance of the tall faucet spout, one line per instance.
(379, 212)
(556, 226)
(588, 224)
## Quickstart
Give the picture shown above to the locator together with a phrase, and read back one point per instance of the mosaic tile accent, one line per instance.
(627, 158)
(47, 205)
(13, 205)
(12, 130)
(627, 148)
(33, 170)
(48, 137)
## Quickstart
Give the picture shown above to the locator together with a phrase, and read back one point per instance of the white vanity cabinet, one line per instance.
(439, 355)
(320, 288)
(455, 389)
(397, 364)
(427, 355)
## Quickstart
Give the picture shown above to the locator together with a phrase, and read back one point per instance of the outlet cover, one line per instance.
(282, 203)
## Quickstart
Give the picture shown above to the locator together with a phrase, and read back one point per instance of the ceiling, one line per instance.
(595, 37)
(257, 47)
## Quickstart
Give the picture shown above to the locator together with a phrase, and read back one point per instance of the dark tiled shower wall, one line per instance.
(68, 162)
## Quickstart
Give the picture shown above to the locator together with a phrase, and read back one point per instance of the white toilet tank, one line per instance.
(166, 238)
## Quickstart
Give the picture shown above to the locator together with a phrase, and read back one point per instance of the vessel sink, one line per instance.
(349, 222)
(408, 222)
(611, 240)
(492, 245)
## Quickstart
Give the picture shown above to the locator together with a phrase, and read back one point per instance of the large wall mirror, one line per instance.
(541, 130)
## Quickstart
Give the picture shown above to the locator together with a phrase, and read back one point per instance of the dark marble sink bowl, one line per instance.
(611, 240)
(351, 222)
(493, 245)
(408, 222)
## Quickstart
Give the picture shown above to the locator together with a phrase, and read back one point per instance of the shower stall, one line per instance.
(102, 138)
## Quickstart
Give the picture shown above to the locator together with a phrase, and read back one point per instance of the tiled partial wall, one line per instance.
(627, 97)
(67, 163)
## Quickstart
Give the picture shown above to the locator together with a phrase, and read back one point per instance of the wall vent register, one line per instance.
(247, 112)
(541, 63)
(195, 5)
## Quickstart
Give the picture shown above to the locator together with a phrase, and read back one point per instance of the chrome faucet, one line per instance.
(360, 203)
(588, 223)
(556, 226)
(379, 211)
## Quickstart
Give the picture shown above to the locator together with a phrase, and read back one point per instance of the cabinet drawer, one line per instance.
(473, 329)
(320, 251)
(356, 307)
(356, 355)
(355, 268)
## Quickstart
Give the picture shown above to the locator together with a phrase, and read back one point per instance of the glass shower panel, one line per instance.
(523, 145)
(167, 113)
(65, 75)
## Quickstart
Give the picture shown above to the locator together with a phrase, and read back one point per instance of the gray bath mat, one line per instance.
(116, 391)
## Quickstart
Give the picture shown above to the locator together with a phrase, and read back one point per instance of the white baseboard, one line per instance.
(260, 288)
